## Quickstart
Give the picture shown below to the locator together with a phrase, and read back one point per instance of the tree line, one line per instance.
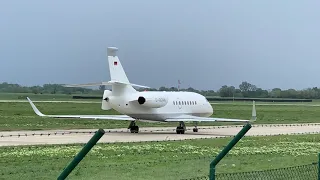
(245, 89)
(46, 89)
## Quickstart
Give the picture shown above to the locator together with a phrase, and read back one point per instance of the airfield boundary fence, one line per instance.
(302, 172)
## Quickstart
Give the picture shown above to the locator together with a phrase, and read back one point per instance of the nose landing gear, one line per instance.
(195, 129)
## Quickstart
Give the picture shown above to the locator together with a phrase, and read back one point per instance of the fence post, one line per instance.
(319, 166)
(225, 151)
(81, 154)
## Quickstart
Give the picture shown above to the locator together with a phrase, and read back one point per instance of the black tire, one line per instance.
(134, 129)
(195, 129)
(178, 130)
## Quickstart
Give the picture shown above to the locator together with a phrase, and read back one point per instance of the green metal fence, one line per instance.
(303, 172)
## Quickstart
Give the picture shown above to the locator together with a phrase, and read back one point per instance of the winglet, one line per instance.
(254, 113)
(35, 109)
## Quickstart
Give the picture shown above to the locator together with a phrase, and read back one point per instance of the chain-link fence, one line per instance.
(198, 178)
(303, 172)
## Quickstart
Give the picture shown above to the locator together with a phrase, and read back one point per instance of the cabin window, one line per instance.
(174, 103)
(179, 103)
(192, 102)
(187, 102)
(195, 102)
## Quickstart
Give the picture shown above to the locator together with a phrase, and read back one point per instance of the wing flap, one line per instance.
(109, 117)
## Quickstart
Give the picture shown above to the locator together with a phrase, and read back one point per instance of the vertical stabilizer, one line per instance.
(117, 73)
(116, 70)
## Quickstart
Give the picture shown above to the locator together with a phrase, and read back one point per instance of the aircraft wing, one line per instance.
(110, 117)
(186, 118)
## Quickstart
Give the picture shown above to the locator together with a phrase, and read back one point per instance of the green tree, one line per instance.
(227, 91)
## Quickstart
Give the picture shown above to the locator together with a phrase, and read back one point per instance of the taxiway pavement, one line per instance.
(16, 138)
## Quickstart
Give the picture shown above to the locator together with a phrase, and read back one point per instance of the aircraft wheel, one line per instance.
(134, 129)
(180, 130)
(195, 129)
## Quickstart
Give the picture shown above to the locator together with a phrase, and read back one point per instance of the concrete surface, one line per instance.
(15, 138)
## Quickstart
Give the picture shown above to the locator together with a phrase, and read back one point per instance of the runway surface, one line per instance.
(15, 138)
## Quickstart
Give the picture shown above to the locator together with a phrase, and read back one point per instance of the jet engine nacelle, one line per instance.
(105, 105)
(152, 102)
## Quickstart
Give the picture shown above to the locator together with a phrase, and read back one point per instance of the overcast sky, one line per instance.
(205, 44)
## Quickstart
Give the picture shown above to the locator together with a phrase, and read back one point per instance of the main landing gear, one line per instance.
(133, 127)
(182, 128)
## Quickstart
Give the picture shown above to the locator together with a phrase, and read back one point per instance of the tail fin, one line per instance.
(116, 70)
(117, 74)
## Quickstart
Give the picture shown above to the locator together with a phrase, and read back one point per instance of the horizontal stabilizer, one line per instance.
(84, 85)
(109, 83)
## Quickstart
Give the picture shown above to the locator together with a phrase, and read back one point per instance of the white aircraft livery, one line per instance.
(156, 106)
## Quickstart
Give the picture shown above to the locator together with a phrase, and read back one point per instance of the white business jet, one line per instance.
(148, 105)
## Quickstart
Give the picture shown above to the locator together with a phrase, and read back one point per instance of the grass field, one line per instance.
(159, 160)
(22, 96)
(20, 116)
